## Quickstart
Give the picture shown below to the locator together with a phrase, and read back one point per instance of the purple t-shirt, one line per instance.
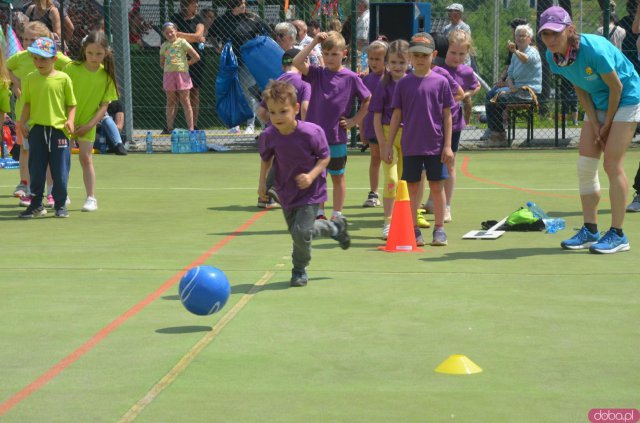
(294, 154)
(332, 95)
(303, 89)
(457, 117)
(422, 101)
(371, 81)
(381, 101)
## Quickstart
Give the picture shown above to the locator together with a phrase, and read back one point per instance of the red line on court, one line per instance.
(465, 170)
(104, 332)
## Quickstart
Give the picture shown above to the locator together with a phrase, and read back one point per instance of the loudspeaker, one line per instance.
(398, 20)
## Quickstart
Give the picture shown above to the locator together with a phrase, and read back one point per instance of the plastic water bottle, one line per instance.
(364, 61)
(174, 141)
(551, 225)
(193, 142)
(5, 150)
(149, 142)
(202, 141)
(201, 46)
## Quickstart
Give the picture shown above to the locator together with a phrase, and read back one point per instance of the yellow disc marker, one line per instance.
(458, 364)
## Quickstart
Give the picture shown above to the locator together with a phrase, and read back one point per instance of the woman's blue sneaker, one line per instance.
(610, 243)
(582, 239)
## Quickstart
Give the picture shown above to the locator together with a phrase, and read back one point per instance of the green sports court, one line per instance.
(92, 329)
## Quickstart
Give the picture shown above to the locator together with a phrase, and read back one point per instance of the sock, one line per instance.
(592, 227)
(618, 231)
(335, 214)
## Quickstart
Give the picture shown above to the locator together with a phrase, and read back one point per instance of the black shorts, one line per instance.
(197, 73)
(412, 167)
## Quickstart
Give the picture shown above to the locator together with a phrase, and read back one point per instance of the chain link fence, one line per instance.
(489, 21)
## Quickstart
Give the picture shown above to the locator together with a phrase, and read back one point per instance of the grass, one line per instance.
(554, 331)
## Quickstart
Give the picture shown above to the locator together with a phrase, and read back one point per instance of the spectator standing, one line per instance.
(286, 35)
(46, 11)
(304, 39)
(191, 28)
(313, 27)
(138, 27)
(616, 33)
(238, 25)
(455, 12)
(631, 24)
(362, 25)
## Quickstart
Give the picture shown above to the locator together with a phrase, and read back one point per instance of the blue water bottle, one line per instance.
(149, 142)
(551, 225)
(202, 141)
(193, 142)
(174, 141)
(5, 150)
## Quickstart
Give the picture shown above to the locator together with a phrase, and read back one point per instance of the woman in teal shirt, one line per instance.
(608, 88)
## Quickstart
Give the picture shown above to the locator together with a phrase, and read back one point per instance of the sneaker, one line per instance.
(428, 207)
(385, 231)
(250, 130)
(299, 278)
(486, 134)
(419, 239)
(447, 215)
(62, 212)
(272, 204)
(25, 201)
(610, 243)
(343, 234)
(271, 192)
(120, 150)
(582, 239)
(234, 130)
(21, 190)
(372, 200)
(262, 204)
(321, 217)
(32, 212)
(439, 237)
(495, 140)
(50, 201)
(90, 205)
(165, 131)
(422, 221)
(634, 206)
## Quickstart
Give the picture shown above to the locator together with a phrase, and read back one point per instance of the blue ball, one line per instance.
(204, 290)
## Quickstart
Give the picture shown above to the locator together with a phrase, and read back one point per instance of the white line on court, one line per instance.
(253, 188)
(193, 353)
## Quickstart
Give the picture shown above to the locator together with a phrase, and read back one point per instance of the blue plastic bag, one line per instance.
(263, 58)
(231, 104)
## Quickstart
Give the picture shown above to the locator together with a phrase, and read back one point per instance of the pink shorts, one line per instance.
(176, 81)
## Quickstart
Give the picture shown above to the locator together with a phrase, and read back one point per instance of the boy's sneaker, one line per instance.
(422, 221)
(50, 201)
(90, 205)
(21, 190)
(120, 150)
(62, 212)
(634, 206)
(372, 200)
(299, 278)
(582, 239)
(343, 234)
(447, 215)
(32, 212)
(439, 237)
(385, 231)
(271, 192)
(25, 201)
(610, 243)
(419, 239)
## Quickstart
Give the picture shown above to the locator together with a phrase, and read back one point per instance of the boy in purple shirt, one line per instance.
(333, 89)
(422, 102)
(299, 153)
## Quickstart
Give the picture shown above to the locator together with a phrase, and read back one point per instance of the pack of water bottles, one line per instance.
(552, 225)
(6, 161)
(184, 141)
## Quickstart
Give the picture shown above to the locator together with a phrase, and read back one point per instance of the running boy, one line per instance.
(333, 89)
(422, 102)
(301, 155)
(49, 109)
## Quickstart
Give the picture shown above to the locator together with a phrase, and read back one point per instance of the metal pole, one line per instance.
(496, 37)
(61, 24)
(123, 61)
(354, 60)
(106, 12)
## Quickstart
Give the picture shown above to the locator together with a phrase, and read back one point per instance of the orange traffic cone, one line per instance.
(401, 236)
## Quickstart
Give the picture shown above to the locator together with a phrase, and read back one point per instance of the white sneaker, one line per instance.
(385, 231)
(90, 204)
(634, 206)
(447, 215)
(250, 130)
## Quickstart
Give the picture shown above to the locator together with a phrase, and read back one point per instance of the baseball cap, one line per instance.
(555, 19)
(422, 43)
(44, 47)
(456, 6)
(287, 57)
(441, 44)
